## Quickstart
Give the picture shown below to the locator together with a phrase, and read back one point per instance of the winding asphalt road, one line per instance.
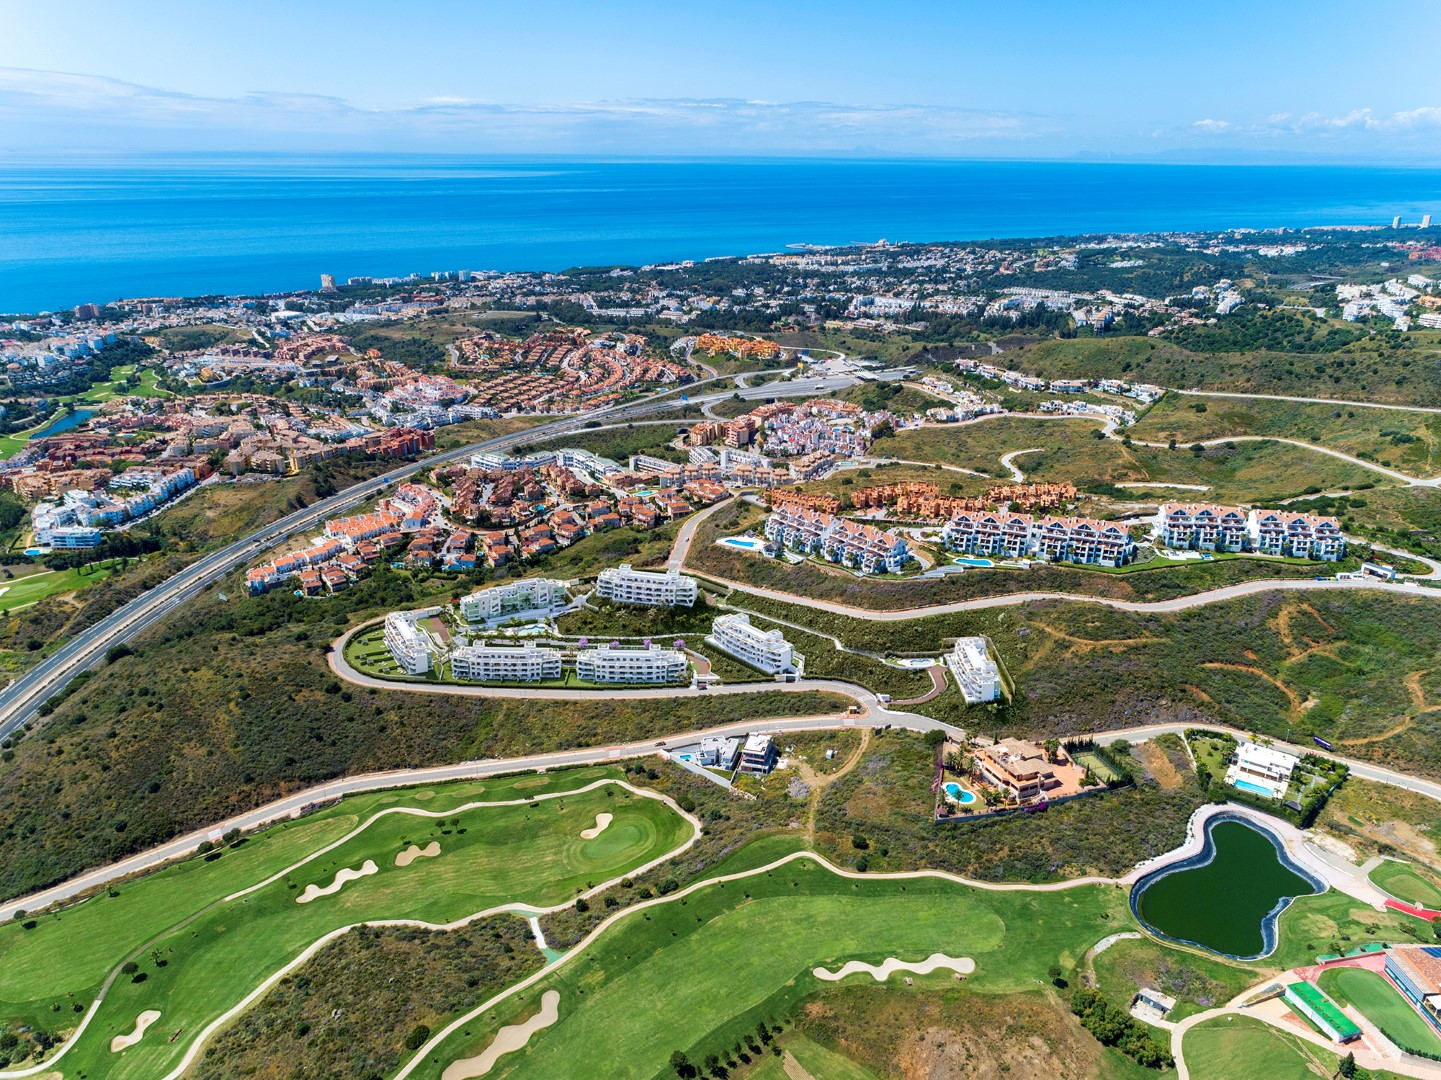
(21, 701)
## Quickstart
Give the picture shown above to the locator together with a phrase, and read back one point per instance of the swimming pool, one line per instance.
(958, 794)
(745, 543)
(973, 562)
(1254, 789)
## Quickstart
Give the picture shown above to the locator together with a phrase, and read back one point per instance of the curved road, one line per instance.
(22, 699)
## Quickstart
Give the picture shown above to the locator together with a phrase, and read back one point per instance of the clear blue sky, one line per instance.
(1223, 80)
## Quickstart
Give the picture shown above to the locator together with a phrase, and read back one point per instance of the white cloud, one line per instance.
(1213, 127)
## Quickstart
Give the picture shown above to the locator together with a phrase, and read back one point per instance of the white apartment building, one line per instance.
(504, 663)
(978, 676)
(852, 543)
(1070, 539)
(529, 598)
(764, 650)
(614, 664)
(1304, 536)
(623, 585)
(1202, 527)
(409, 645)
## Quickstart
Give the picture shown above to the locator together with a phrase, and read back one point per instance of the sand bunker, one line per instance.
(313, 892)
(963, 965)
(415, 851)
(507, 1039)
(143, 1021)
(601, 822)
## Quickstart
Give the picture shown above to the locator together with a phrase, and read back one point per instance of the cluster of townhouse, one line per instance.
(837, 428)
(1005, 534)
(853, 544)
(924, 501)
(740, 347)
(1208, 527)
(1390, 299)
(79, 519)
(1018, 380)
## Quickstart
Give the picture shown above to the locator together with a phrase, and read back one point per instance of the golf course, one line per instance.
(705, 964)
(194, 940)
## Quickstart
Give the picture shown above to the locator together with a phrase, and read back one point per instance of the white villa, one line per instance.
(410, 646)
(623, 585)
(1262, 770)
(765, 650)
(758, 755)
(616, 664)
(978, 676)
(527, 599)
(504, 663)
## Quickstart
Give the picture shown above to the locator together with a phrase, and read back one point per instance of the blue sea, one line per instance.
(182, 227)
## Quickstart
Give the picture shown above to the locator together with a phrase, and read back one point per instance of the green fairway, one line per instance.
(1405, 882)
(1383, 1005)
(824, 1064)
(1214, 1049)
(705, 967)
(32, 588)
(200, 953)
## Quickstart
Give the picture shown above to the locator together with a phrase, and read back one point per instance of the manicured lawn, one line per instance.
(824, 1064)
(1215, 1049)
(1383, 1005)
(214, 951)
(32, 588)
(699, 972)
(1404, 882)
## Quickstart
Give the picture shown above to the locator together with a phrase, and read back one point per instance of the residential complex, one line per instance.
(854, 544)
(409, 645)
(1058, 539)
(1206, 527)
(978, 676)
(526, 600)
(764, 650)
(623, 585)
(618, 664)
(504, 663)
(77, 520)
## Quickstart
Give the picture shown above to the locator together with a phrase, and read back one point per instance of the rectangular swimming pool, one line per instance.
(1254, 789)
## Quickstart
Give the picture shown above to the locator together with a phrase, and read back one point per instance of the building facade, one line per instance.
(758, 755)
(978, 676)
(505, 663)
(853, 544)
(764, 650)
(1019, 768)
(614, 664)
(409, 645)
(623, 585)
(1202, 527)
(1058, 539)
(529, 598)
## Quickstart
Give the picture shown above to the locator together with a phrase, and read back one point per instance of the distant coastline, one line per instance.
(89, 233)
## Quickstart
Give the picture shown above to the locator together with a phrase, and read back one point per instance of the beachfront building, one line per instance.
(409, 645)
(1019, 768)
(758, 755)
(623, 585)
(1417, 971)
(616, 664)
(764, 650)
(1262, 770)
(525, 600)
(1202, 527)
(504, 663)
(978, 676)
(1303, 536)
(854, 544)
(999, 535)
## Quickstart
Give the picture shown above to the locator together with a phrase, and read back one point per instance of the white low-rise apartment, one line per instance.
(504, 663)
(623, 585)
(1304, 536)
(1068, 539)
(764, 650)
(409, 645)
(529, 598)
(616, 664)
(851, 543)
(1202, 527)
(978, 676)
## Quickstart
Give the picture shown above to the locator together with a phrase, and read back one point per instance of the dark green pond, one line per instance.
(1223, 905)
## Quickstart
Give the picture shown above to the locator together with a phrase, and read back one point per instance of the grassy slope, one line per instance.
(1406, 883)
(523, 854)
(1212, 1050)
(707, 969)
(1383, 1005)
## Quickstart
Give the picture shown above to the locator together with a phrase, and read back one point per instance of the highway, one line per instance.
(21, 700)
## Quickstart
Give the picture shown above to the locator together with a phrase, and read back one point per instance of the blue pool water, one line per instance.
(974, 562)
(960, 794)
(745, 543)
(1254, 789)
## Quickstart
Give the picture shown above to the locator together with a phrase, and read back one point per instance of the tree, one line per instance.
(1053, 749)
(417, 1037)
(1347, 1066)
(681, 1064)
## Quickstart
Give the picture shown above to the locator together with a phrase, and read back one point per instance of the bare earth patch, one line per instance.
(602, 822)
(963, 965)
(507, 1040)
(143, 1021)
(314, 892)
(415, 851)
